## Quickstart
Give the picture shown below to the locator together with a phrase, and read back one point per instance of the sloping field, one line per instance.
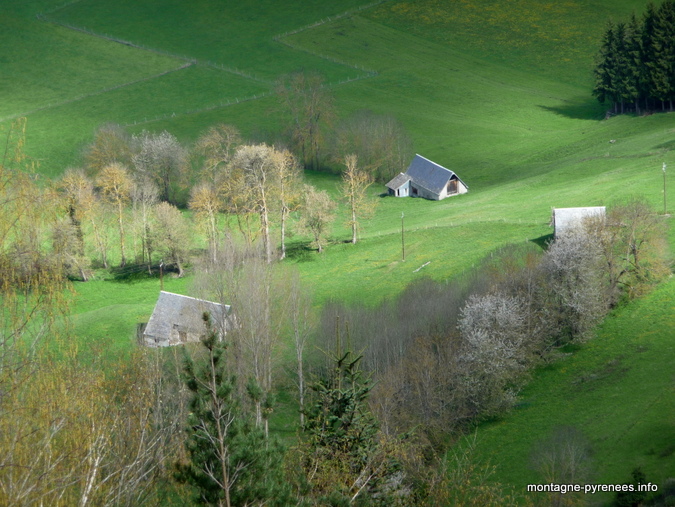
(497, 91)
(617, 390)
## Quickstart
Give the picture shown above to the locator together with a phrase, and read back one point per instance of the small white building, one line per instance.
(178, 319)
(565, 220)
(427, 179)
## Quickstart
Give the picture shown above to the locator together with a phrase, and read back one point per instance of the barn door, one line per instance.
(452, 187)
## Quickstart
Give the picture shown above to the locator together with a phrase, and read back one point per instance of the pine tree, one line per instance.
(344, 457)
(648, 56)
(664, 50)
(230, 460)
(605, 70)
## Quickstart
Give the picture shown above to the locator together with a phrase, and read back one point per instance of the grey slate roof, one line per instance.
(430, 175)
(398, 181)
(178, 319)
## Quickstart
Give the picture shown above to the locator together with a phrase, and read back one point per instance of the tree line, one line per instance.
(635, 66)
(447, 355)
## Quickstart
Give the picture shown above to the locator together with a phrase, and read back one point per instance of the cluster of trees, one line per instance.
(635, 67)
(126, 195)
(320, 140)
(447, 355)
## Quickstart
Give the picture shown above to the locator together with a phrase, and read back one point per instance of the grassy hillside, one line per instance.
(616, 389)
(497, 91)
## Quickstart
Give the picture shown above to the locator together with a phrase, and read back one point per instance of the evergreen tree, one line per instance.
(663, 76)
(625, 90)
(344, 458)
(605, 70)
(231, 462)
(634, 51)
(648, 56)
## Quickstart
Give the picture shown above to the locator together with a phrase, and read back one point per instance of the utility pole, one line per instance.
(402, 236)
(664, 188)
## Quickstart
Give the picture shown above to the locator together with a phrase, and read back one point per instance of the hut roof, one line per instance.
(398, 181)
(430, 175)
(176, 315)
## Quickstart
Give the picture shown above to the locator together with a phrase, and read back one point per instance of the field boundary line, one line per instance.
(43, 17)
(99, 92)
(281, 40)
(60, 7)
(221, 105)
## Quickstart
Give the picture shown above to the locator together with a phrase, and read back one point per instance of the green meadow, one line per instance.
(499, 92)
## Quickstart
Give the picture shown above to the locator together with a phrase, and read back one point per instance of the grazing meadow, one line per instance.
(499, 92)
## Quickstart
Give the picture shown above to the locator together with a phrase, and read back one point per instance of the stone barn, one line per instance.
(177, 319)
(566, 220)
(427, 179)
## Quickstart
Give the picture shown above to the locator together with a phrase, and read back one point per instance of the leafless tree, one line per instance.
(380, 142)
(289, 179)
(144, 195)
(162, 158)
(217, 145)
(299, 311)
(171, 235)
(115, 185)
(308, 104)
(206, 203)
(355, 183)
(564, 457)
(318, 214)
(111, 144)
(258, 166)
(241, 277)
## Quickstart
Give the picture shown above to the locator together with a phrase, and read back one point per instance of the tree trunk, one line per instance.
(121, 226)
(283, 233)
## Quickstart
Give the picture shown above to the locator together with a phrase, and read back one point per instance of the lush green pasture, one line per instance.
(617, 389)
(497, 91)
(235, 34)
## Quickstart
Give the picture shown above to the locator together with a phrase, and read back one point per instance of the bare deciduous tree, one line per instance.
(299, 312)
(381, 143)
(144, 195)
(111, 145)
(163, 159)
(171, 235)
(309, 105)
(318, 213)
(206, 204)
(217, 145)
(355, 183)
(115, 184)
(289, 180)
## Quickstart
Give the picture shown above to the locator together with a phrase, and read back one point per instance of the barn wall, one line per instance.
(423, 192)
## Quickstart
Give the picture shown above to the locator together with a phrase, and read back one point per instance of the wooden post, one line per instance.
(664, 188)
(402, 236)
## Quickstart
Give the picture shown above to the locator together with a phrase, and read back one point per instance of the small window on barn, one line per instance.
(414, 191)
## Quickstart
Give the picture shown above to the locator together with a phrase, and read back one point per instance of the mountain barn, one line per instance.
(427, 179)
(567, 220)
(178, 319)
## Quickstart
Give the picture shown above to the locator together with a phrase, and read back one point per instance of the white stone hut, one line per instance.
(567, 220)
(178, 319)
(427, 179)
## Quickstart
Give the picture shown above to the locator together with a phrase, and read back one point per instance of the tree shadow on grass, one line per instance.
(300, 251)
(579, 108)
(543, 241)
(134, 273)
